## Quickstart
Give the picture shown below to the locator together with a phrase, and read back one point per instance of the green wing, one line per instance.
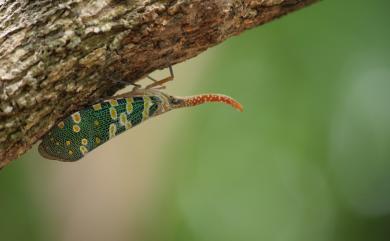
(88, 128)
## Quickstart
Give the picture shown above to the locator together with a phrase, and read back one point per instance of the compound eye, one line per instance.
(174, 101)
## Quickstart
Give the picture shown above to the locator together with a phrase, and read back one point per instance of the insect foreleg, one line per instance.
(162, 81)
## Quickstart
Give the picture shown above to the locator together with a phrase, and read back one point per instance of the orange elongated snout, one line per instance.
(188, 101)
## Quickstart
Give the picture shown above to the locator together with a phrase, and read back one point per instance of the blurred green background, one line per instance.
(308, 159)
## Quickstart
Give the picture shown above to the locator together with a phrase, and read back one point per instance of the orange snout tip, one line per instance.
(238, 106)
(230, 101)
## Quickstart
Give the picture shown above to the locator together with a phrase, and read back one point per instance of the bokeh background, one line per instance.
(308, 159)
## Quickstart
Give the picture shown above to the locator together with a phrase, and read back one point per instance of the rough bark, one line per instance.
(56, 56)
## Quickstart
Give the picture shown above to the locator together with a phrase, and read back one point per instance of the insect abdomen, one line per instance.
(88, 128)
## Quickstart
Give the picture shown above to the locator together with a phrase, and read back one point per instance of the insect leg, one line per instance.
(162, 81)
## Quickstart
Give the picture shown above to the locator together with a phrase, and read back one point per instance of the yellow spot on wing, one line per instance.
(97, 106)
(84, 141)
(97, 123)
(70, 152)
(60, 125)
(76, 128)
(112, 130)
(113, 102)
(147, 104)
(97, 140)
(113, 113)
(83, 150)
(128, 125)
(123, 119)
(76, 117)
(129, 105)
(67, 143)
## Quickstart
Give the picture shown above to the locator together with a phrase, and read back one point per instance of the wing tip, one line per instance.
(42, 151)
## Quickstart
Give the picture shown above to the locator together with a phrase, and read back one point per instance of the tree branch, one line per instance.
(56, 56)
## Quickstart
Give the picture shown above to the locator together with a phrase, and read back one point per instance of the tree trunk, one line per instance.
(56, 56)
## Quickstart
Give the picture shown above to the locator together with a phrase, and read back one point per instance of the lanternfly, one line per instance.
(86, 129)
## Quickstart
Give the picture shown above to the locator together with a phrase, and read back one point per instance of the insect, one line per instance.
(83, 131)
